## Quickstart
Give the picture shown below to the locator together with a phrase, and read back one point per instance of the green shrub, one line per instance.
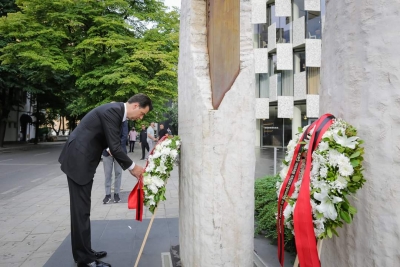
(266, 207)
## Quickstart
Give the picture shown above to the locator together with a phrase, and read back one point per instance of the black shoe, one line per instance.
(107, 199)
(99, 254)
(96, 263)
(116, 198)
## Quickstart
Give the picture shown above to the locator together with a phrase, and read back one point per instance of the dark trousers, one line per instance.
(132, 146)
(145, 145)
(80, 221)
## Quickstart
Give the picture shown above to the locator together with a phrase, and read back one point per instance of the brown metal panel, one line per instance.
(223, 40)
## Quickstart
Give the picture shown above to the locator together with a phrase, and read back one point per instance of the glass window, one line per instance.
(313, 81)
(283, 25)
(285, 78)
(313, 25)
(275, 131)
(260, 36)
(299, 62)
(298, 9)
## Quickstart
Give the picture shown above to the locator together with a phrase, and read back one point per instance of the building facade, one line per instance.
(287, 59)
(20, 122)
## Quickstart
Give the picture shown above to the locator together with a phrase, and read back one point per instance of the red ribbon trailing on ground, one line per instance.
(306, 244)
(136, 197)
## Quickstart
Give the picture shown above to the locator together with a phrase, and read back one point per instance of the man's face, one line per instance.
(135, 112)
(152, 125)
(143, 127)
(161, 126)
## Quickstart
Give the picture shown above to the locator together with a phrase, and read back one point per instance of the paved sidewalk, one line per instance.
(34, 224)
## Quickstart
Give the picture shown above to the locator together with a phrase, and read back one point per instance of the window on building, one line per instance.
(260, 36)
(298, 9)
(299, 61)
(283, 25)
(313, 25)
(262, 85)
(275, 131)
(313, 81)
(285, 78)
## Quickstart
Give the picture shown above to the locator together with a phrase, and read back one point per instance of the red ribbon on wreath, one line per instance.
(136, 197)
(306, 244)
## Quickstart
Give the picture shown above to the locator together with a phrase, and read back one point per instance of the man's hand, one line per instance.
(137, 171)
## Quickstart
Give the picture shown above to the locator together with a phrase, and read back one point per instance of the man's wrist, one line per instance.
(132, 166)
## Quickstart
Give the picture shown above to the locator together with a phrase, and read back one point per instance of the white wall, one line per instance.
(217, 160)
(361, 83)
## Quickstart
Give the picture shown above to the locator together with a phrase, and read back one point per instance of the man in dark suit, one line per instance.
(81, 154)
(143, 141)
(109, 163)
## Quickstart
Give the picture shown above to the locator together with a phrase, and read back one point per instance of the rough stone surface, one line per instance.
(217, 163)
(361, 84)
(284, 54)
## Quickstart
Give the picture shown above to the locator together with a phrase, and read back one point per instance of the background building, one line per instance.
(287, 59)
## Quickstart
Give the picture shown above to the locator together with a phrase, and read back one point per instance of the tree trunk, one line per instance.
(3, 126)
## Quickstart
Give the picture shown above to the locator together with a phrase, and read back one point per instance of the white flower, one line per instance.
(178, 143)
(318, 232)
(327, 206)
(323, 146)
(288, 211)
(147, 180)
(167, 142)
(346, 169)
(333, 156)
(150, 197)
(153, 188)
(152, 203)
(161, 168)
(173, 153)
(157, 154)
(340, 183)
(342, 160)
(151, 166)
(295, 194)
(292, 145)
(323, 172)
(289, 155)
(288, 225)
(319, 224)
(283, 172)
(346, 142)
(158, 182)
(166, 151)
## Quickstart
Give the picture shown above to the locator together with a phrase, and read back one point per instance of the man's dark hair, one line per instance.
(143, 101)
(162, 124)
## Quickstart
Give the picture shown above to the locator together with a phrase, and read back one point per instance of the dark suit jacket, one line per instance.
(99, 129)
(143, 136)
(124, 136)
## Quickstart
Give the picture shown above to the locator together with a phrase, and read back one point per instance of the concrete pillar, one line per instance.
(361, 84)
(258, 133)
(296, 121)
(217, 156)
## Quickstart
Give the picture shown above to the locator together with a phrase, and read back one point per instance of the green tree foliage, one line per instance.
(91, 52)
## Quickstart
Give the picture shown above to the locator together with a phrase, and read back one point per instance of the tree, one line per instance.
(92, 52)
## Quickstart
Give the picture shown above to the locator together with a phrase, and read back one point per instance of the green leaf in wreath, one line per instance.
(345, 216)
(352, 210)
(356, 178)
(334, 231)
(355, 154)
(355, 162)
(329, 232)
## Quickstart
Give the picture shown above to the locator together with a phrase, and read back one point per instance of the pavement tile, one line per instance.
(35, 262)
(15, 235)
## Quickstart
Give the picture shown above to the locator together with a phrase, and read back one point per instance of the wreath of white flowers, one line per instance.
(336, 174)
(158, 170)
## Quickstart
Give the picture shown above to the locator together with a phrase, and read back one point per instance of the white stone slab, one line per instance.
(300, 86)
(273, 87)
(258, 11)
(298, 31)
(285, 107)
(313, 52)
(283, 8)
(312, 106)
(261, 60)
(312, 5)
(272, 37)
(284, 54)
(262, 108)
